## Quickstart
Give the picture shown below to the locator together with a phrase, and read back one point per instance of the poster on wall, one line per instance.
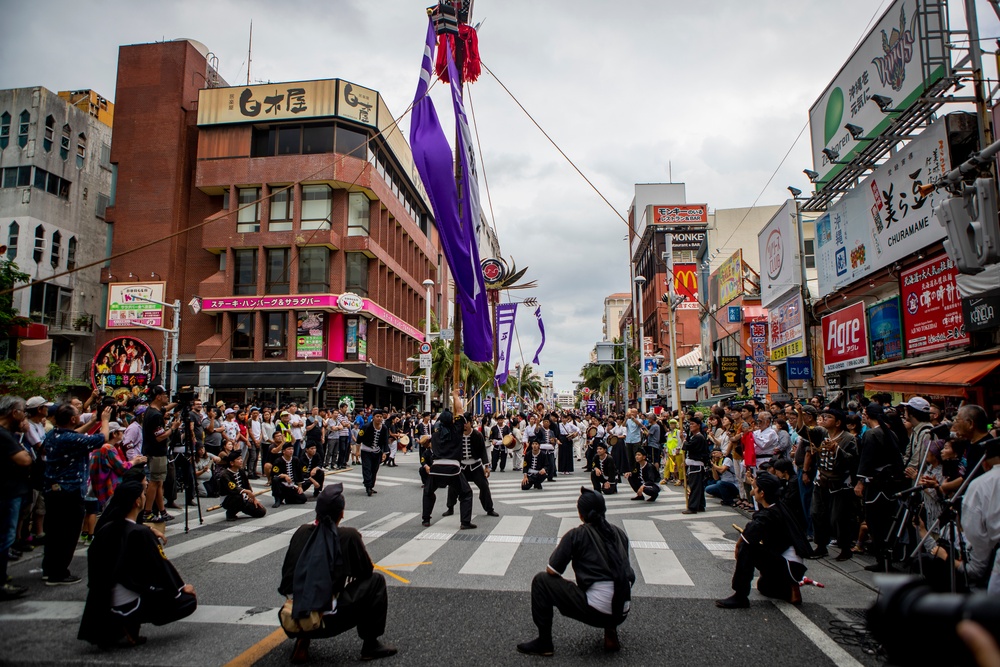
(729, 372)
(932, 307)
(352, 337)
(731, 278)
(787, 335)
(128, 307)
(362, 339)
(123, 366)
(309, 335)
(884, 332)
(845, 339)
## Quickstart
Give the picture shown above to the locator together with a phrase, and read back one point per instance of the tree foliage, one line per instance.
(10, 275)
(53, 384)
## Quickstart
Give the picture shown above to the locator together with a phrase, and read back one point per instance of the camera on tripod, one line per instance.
(184, 397)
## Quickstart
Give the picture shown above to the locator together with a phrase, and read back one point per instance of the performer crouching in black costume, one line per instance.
(602, 594)
(332, 583)
(475, 467)
(311, 463)
(234, 485)
(286, 478)
(773, 543)
(604, 474)
(446, 467)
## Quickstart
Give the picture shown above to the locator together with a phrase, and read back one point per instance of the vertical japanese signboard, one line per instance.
(758, 350)
(785, 324)
(932, 307)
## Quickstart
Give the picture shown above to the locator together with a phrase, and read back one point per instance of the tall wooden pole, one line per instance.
(457, 342)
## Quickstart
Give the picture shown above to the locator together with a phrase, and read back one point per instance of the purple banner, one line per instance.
(541, 329)
(506, 313)
(433, 159)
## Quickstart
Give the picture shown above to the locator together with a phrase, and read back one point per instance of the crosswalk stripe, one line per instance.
(616, 502)
(386, 524)
(494, 556)
(713, 538)
(268, 546)
(423, 546)
(635, 508)
(712, 514)
(657, 563)
(204, 541)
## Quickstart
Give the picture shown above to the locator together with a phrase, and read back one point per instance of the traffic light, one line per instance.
(970, 221)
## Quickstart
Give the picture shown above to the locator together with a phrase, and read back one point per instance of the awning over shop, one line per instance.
(938, 379)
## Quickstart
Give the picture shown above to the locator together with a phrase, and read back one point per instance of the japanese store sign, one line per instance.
(787, 334)
(674, 213)
(309, 335)
(845, 339)
(884, 219)
(932, 307)
(883, 325)
(123, 367)
(731, 278)
(889, 62)
(778, 245)
(127, 308)
(287, 101)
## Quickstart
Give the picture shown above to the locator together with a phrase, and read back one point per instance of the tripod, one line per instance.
(902, 521)
(188, 439)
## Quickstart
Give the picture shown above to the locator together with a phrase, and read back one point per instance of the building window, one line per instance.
(64, 143)
(71, 253)
(317, 205)
(351, 142)
(276, 340)
(12, 233)
(248, 218)
(39, 244)
(4, 130)
(106, 156)
(51, 304)
(81, 150)
(49, 137)
(277, 271)
(314, 270)
(54, 185)
(22, 129)
(317, 139)
(101, 207)
(358, 207)
(225, 199)
(290, 140)
(281, 209)
(245, 271)
(242, 337)
(56, 248)
(357, 273)
(810, 248)
(16, 177)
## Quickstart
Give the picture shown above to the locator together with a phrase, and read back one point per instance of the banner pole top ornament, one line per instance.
(451, 24)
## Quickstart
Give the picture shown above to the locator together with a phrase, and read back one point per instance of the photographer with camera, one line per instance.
(155, 438)
(880, 472)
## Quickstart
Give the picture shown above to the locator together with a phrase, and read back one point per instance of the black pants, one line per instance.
(236, 503)
(343, 449)
(499, 455)
(170, 484)
(478, 477)
(834, 514)
(651, 490)
(363, 604)
(631, 448)
(370, 461)
(253, 457)
(63, 519)
(549, 592)
(777, 575)
(589, 454)
(317, 486)
(534, 480)
(696, 489)
(287, 494)
(598, 482)
(456, 484)
(879, 511)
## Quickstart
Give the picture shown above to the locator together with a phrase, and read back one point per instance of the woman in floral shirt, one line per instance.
(107, 464)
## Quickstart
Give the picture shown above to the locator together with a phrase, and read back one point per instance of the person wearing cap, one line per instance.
(38, 411)
(212, 425)
(834, 505)
(981, 520)
(155, 438)
(234, 485)
(601, 596)
(286, 478)
(771, 543)
(918, 418)
(328, 574)
(107, 466)
(374, 441)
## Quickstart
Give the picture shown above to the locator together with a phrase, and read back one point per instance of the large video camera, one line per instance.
(917, 626)
(184, 397)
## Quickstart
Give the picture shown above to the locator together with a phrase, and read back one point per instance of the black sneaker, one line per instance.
(68, 580)
(467, 526)
(492, 513)
(166, 517)
(448, 512)
(537, 647)
(375, 650)
(734, 601)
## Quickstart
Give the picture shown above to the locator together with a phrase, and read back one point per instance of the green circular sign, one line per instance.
(348, 401)
(834, 114)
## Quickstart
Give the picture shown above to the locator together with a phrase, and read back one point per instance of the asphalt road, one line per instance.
(465, 595)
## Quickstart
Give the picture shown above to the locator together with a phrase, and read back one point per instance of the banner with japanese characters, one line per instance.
(309, 327)
(932, 307)
(884, 219)
(785, 324)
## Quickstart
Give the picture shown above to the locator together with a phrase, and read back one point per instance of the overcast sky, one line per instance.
(719, 90)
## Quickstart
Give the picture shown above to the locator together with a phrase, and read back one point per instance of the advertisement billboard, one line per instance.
(309, 335)
(731, 278)
(890, 61)
(845, 339)
(729, 372)
(127, 308)
(932, 307)
(124, 366)
(785, 325)
(680, 213)
(884, 331)
(884, 219)
(686, 285)
(778, 245)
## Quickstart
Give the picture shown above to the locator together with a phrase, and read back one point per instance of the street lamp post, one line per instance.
(640, 281)
(173, 334)
(428, 284)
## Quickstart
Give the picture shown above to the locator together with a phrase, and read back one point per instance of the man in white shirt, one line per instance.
(981, 520)
(765, 440)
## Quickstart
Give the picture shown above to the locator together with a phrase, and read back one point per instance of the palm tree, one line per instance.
(609, 378)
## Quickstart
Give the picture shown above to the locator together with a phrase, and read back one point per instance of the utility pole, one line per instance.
(675, 391)
(639, 282)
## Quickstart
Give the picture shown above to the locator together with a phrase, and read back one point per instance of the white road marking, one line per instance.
(823, 641)
(386, 524)
(250, 525)
(713, 538)
(657, 563)
(265, 547)
(423, 546)
(494, 556)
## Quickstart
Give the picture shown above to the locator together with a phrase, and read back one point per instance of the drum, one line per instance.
(424, 439)
(404, 440)
(612, 440)
(591, 432)
(508, 441)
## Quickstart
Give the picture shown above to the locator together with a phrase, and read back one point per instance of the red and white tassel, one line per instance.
(471, 67)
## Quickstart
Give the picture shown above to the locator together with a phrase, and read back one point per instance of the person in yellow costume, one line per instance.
(673, 464)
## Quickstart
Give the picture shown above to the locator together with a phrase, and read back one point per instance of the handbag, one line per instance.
(294, 626)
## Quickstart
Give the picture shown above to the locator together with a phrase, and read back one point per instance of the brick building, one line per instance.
(292, 217)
